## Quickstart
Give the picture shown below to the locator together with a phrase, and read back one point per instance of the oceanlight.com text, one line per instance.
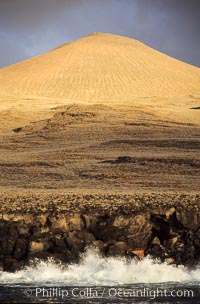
(107, 292)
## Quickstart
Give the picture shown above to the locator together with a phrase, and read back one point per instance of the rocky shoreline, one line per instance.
(165, 226)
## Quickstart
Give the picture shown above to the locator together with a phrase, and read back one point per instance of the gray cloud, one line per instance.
(30, 27)
(11, 51)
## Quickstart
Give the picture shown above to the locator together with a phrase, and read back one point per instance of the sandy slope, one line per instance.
(101, 67)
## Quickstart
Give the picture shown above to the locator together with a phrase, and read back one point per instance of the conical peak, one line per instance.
(104, 34)
(100, 34)
(108, 37)
(101, 67)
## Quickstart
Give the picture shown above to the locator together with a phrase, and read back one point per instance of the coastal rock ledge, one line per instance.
(132, 226)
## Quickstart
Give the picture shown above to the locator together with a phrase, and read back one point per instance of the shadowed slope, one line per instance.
(101, 67)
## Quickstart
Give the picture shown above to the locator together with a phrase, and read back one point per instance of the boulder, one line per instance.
(11, 264)
(117, 249)
(188, 218)
(42, 219)
(18, 218)
(87, 237)
(8, 216)
(10, 245)
(36, 247)
(76, 223)
(59, 245)
(91, 222)
(156, 251)
(8, 238)
(139, 253)
(170, 212)
(74, 243)
(99, 245)
(170, 261)
(28, 219)
(23, 230)
(21, 248)
(139, 232)
(171, 242)
(120, 222)
(58, 223)
(155, 241)
(197, 238)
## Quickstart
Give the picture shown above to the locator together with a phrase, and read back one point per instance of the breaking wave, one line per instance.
(94, 269)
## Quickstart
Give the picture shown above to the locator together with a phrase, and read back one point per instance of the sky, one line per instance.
(31, 27)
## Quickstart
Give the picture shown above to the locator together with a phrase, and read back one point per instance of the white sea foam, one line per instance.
(96, 270)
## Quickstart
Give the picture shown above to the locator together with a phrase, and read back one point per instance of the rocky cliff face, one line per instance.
(167, 228)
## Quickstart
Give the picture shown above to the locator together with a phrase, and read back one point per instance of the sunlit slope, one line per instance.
(101, 67)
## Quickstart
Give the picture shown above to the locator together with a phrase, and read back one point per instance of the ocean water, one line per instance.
(96, 279)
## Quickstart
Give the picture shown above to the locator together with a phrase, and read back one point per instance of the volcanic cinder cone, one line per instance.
(103, 113)
(101, 67)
